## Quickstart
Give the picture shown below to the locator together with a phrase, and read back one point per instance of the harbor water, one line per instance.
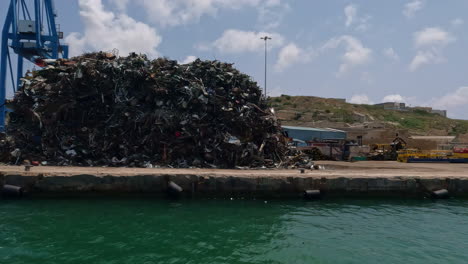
(106, 231)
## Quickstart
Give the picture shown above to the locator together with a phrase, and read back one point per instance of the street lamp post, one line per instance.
(266, 38)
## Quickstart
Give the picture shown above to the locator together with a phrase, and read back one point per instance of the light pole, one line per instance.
(266, 38)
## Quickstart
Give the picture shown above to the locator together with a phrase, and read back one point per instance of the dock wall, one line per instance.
(249, 184)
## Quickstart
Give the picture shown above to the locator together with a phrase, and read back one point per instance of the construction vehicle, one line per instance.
(433, 156)
(30, 31)
(388, 151)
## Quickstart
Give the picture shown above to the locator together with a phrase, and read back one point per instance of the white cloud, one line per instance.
(360, 99)
(288, 55)
(430, 43)
(391, 54)
(238, 41)
(425, 57)
(189, 59)
(432, 36)
(364, 24)
(394, 98)
(271, 13)
(105, 30)
(356, 54)
(272, 3)
(453, 99)
(121, 5)
(177, 12)
(457, 22)
(411, 8)
(350, 13)
(182, 12)
(77, 44)
(291, 54)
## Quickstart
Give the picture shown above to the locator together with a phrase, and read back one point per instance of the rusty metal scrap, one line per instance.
(102, 110)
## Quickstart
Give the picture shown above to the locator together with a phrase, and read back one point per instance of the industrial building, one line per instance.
(402, 107)
(393, 106)
(432, 111)
(306, 134)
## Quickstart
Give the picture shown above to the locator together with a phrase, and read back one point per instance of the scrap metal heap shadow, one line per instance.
(101, 110)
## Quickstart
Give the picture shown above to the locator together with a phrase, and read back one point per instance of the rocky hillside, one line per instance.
(323, 112)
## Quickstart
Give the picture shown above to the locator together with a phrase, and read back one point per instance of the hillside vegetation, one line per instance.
(302, 110)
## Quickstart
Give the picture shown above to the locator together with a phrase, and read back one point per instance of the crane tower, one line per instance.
(30, 32)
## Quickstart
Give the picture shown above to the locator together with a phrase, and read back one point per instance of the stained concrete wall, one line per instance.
(202, 185)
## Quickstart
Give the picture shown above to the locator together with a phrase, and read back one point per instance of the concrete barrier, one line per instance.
(230, 183)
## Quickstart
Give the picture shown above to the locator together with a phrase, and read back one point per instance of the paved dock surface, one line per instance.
(336, 177)
(330, 169)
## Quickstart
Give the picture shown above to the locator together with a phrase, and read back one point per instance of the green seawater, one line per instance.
(233, 231)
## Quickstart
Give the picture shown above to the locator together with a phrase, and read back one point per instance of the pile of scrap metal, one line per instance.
(315, 153)
(102, 110)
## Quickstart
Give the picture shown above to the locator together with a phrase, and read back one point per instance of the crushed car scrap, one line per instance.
(101, 110)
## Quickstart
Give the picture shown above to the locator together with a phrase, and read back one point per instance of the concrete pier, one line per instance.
(336, 179)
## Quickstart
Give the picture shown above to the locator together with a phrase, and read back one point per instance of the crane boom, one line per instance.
(33, 36)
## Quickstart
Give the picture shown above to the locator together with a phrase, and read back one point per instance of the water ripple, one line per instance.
(152, 231)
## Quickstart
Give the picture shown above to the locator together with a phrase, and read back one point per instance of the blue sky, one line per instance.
(365, 51)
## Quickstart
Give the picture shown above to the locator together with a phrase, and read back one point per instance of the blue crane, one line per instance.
(33, 36)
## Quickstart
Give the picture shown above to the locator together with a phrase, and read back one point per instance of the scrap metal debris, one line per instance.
(102, 110)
